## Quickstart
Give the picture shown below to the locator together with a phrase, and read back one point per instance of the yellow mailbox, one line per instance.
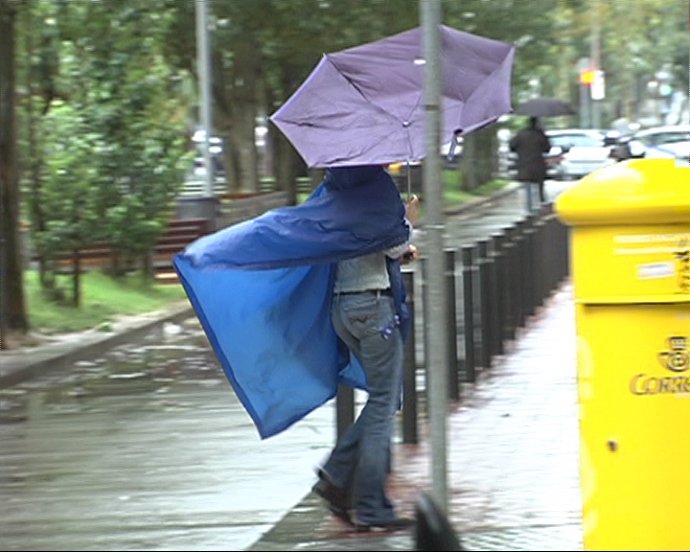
(630, 259)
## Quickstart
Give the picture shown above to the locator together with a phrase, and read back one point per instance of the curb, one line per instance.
(34, 361)
(484, 201)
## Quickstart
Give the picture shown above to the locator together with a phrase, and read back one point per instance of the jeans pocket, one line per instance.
(369, 316)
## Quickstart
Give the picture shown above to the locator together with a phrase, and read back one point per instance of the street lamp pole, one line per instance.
(202, 51)
(595, 54)
(435, 320)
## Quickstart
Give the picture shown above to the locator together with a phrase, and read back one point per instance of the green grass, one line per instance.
(103, 299)
(452, 194)
(454, 197)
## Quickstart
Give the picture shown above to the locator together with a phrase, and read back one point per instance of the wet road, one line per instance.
(146, 448)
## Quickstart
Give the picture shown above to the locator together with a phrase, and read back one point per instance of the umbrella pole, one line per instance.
(409, 182)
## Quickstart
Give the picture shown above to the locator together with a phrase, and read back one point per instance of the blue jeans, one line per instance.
(535, 195)
(360, 461)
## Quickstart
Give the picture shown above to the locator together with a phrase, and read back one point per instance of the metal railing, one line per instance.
(504, 279)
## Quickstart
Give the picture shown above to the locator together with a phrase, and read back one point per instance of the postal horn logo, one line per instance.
(677, 357)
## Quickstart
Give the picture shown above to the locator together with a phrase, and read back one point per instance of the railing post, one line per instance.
(452, 327)
(528, 266)
(409, 407)
(544, 261)
(498, 298)
(509, 300)
(484, 303)
(469, 368)
(519, 275)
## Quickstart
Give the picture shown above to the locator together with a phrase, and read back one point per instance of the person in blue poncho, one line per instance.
(302, 299)
(365, 318)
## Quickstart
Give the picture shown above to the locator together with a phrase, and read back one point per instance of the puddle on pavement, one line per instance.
(156, 364)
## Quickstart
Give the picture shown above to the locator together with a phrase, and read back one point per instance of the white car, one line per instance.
(670, 141)
(657, 136)
(673, 150)
(576, 152)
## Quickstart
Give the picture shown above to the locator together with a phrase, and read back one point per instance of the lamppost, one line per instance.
(437, 358)
(202, 51)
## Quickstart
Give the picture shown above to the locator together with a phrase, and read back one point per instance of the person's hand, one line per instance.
(411, 255)
(412, 209)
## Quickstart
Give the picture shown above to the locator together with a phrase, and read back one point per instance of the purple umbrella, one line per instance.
(364, 105)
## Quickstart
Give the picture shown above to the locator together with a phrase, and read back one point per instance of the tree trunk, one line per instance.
(12, 305)
(479, 159)
(284, 161)
(236, 107)
(147, 266)
(76, 278)
(34, 154)
(245, 109)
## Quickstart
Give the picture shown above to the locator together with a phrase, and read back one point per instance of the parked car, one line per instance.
(672, 150)
(576, 152)
(661, 141)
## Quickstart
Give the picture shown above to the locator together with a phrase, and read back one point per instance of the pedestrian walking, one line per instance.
(366, 318)
(305, 298)
(530, 144)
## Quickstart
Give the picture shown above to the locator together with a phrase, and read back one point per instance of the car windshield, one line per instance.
(663, 138)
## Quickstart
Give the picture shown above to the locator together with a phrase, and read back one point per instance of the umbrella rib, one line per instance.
(407, 135)
(359, 90)
(404, 123)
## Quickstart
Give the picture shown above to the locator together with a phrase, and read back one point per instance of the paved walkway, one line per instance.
(512, 456)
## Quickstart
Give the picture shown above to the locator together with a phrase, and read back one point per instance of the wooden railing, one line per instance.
(99, 255)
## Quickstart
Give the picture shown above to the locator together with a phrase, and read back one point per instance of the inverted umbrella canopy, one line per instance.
(544, 107)
(365, 105)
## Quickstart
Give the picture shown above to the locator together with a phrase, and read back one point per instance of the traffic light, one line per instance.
(594, 78)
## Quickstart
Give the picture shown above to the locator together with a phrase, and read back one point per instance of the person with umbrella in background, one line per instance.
(530, 144)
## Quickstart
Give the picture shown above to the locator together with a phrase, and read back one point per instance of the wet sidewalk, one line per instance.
(512, 456)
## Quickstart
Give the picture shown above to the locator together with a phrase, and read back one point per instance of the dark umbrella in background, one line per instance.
(364, 105)
(544, 107)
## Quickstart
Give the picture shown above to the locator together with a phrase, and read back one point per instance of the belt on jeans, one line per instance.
(386, 291)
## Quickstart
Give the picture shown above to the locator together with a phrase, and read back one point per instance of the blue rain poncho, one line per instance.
(262, 291)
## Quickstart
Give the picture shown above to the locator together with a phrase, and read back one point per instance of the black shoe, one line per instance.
(336, 498)
(396, 524)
